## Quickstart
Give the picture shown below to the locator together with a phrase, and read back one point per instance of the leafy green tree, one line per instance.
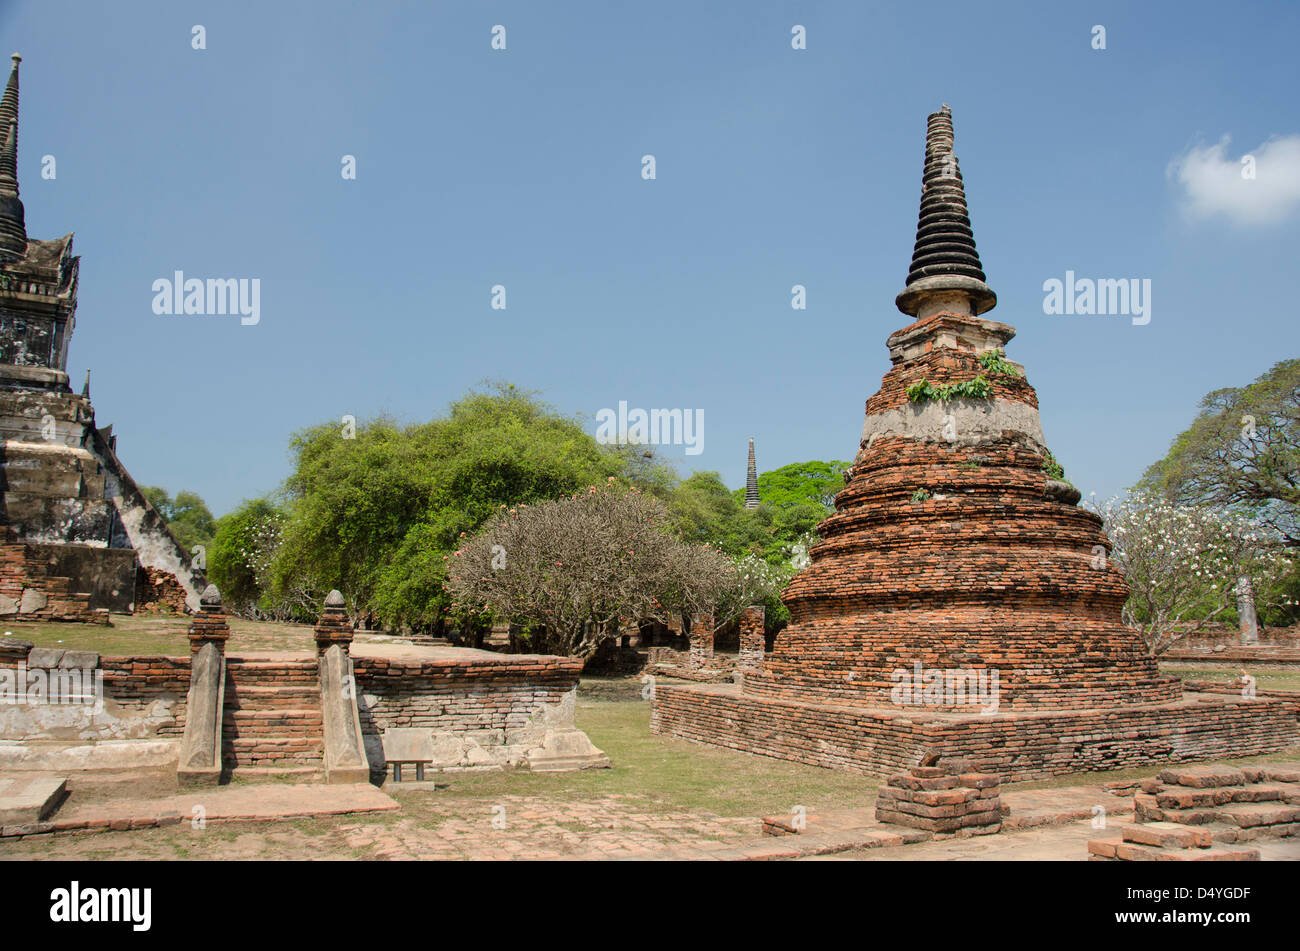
(705, 511)
(241, 556)
(372, 515)
(189, 519)
(812, 483)
(1242, 451)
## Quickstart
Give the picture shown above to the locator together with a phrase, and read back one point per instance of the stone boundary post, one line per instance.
(332, 627)
(200, 758)
(345, 751)
(209, 626)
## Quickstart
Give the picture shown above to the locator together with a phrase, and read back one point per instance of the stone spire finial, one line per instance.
(333, 627)
(13, 223)
(946, 273)
(751, 479)
(209, 625)
(85, 389)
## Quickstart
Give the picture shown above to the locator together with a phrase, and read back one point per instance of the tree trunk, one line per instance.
(1247, 622)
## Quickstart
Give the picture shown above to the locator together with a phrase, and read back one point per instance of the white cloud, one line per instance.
(1213, 183)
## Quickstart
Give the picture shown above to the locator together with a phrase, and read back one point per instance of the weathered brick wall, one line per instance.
(1018, 747)
(29, 592)
(137, 682)
(461, 695)
(158, 592)
(1289, 697)
(701, 652)
(143, 697)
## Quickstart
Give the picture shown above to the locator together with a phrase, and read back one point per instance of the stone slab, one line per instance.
(1202, 776)
(28, 799)
(252, 803)
(408, 745)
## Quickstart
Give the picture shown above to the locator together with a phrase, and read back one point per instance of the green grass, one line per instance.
(672, 775)
(149, 634)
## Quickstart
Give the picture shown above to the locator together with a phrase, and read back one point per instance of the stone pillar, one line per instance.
(499, 636)
(701, 641)
(209, 626)
(333, 627)
(345, 752)
(1247, 623)
(752, 639)
(200, 757)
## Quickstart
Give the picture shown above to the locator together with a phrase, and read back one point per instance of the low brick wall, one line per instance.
(139, 682)
(1283, 655)
(1017, 746)
(482, 693)
(144, 697)
(1289, 697)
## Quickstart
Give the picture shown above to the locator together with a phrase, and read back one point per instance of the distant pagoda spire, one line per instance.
(946, 273)
(13, 224)
(751, 479)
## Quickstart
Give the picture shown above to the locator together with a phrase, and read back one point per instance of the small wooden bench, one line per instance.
(406, 746)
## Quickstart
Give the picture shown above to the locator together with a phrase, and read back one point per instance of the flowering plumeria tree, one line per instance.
(750, 580)
(569, 569)
(1185, 564)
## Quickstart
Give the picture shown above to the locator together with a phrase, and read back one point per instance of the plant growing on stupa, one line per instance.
(995, 362)
(977, 388)
(1184, 563)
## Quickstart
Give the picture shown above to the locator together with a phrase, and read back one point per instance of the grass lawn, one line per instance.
(143, 634)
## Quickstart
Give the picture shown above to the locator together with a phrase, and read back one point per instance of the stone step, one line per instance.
(1167, 835)
(297, 771)
(288, 722)
(1114, 848)
(1235, 834)
(24, 800)
(272, 744)
(244, 697)
(1249, 815)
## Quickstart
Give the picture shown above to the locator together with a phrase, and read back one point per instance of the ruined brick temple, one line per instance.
(77, 532)
(961, 604)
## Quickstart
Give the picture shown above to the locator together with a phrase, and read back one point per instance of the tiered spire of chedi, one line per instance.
(751, 479)
(950, 545)
(13, 223)
(64, 495)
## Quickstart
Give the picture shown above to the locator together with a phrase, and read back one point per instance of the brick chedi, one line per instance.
(960, 603)
(950, 545)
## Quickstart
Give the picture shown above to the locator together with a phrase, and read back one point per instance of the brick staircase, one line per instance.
(272, 723)
(1206, 813)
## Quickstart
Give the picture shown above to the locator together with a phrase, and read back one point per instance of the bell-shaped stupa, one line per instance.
(952, 545)
(961, 607)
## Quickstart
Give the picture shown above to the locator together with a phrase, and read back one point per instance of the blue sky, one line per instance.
(522, 167)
